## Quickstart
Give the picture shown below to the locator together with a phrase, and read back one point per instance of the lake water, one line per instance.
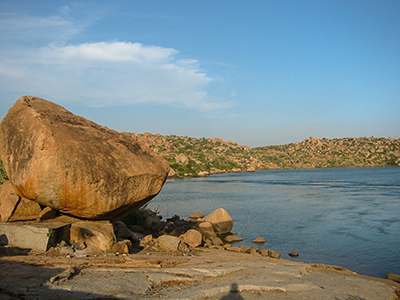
(348, 217)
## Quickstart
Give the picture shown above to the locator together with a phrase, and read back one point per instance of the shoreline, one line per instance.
(274, 169)
(201, 274)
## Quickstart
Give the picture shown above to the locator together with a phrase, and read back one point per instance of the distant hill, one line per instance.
(200, 157)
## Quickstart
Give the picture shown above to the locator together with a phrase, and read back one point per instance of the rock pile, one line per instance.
(211, 231)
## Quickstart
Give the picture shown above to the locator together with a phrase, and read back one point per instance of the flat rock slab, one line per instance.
(36, 236)
(210, 274)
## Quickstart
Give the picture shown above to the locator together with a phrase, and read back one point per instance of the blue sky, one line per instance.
(253, 72)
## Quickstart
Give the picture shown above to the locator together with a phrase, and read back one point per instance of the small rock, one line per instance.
(393, 277)
(47, 213)
(233, 249)
(259, 240)
(232, 239)
(274, 254)
(218, 247)
(293, 254)
(192, 237)
(264, 252)
(8, 201)
(99, 234)
(207, 230)
(254, 251)
(121, 246)
(245, 249)
(220, 220)
(122, 232)
(203, 174)
(147, 241)
(79, 245)
(64, 276)
(168, 243)
(67, 250)
(196, 215)
(26, 209)
(216, 241)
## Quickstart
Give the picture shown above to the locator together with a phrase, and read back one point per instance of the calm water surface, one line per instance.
(348, 217)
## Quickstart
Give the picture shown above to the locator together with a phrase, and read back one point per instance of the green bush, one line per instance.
(3, 174)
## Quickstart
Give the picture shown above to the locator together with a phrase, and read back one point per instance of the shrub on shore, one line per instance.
(3, 174)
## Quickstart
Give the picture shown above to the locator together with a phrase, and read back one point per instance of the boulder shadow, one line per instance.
(234, 293)
(20, 280)
(12, 251)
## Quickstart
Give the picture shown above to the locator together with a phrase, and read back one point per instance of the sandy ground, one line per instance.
(202, 274)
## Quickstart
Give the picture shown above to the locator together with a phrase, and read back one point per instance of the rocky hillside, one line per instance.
(332, 153)
(199, 157)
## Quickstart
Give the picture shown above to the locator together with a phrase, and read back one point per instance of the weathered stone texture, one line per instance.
(74, 165)
(98, 234)
(8, 201)
(220, 220)
(192, 237)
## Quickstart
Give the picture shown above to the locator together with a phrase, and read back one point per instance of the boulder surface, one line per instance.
(74, 165)
(220, 220)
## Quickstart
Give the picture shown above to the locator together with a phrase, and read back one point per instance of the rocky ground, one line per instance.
(201, 274)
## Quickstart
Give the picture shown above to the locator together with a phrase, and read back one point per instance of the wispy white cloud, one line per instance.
(33, 29)
(97, 73)
(115, 73)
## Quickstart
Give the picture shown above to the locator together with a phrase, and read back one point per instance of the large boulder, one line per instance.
(74, 165)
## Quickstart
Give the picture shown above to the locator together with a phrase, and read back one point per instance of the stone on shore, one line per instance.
(26, 210)
(264, 252)
(16, 208)
(207, 230)
(122, 232)
(232, 239)
(47, 213)
(121, 247)
(393, 277)
(8, 201)
(192, 237)
(221, 221)
(168, 243)
(196, 215)
(259, 240)
(274, 254)
(98, 234)
(245, 249)
(74, 165)
(32, 235)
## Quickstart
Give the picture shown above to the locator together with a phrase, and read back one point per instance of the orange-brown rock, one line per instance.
(26, 210)
(16, 208)
(192, 237)
(74, 165)
(221, 221)
(8, 201)
(99, 234)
